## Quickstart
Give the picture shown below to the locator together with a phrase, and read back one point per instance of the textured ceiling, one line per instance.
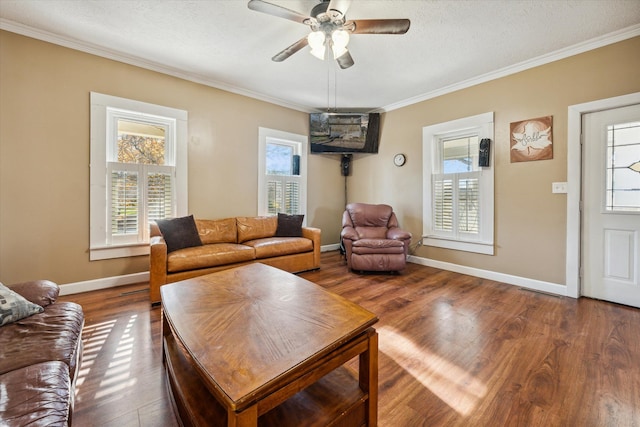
(451, 43)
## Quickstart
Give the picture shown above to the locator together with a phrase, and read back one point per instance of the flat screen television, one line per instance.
(344, 133)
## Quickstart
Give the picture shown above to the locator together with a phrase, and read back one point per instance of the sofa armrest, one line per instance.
(157, 267)
(314, 234)
(41, 292)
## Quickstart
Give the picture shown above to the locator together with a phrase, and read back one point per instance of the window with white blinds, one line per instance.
(458, 209)
(282, 172)
(138, 173)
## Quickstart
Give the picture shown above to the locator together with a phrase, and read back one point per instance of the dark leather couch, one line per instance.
(372, 238)
(39, 359)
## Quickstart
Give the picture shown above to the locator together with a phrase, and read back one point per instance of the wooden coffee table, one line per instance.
(255, 345)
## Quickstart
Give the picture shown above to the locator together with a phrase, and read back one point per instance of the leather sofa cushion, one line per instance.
(51, 335)
(208, 256)
(217, 230)
(278, 246)
(251, 228)
(377, 246)
(37, 395)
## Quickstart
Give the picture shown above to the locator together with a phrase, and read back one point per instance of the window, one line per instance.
(138, 173)
(458, 194)
(282, 178)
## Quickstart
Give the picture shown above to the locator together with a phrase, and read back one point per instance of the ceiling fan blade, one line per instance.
(339, 6)
(281, 56)
(345, 60)
(379, 26)
(275, 10)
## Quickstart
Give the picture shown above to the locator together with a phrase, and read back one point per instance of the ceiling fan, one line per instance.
(329, 28)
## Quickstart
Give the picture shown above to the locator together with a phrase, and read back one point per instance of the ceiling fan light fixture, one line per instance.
(316, 41)
(339, 39)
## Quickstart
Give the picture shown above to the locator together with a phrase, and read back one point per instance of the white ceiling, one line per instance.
(451, 43)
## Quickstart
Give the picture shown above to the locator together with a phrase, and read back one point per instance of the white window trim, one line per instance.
(99, 246)
(266, 134)
(430, 136)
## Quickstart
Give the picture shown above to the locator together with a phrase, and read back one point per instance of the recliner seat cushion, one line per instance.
(279, 246)
(208, 256)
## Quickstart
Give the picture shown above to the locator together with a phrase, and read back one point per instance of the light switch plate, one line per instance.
(559, 187)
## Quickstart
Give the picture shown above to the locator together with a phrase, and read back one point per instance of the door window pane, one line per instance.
(623, 168)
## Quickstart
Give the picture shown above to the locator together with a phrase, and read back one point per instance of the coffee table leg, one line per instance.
(368, 372)
(246, 418)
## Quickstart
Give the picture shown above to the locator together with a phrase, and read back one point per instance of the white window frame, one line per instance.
(299, 143)
(105, 110)
(481, 125)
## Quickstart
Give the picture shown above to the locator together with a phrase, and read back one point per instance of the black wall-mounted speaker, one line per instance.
(295, 164)
(483, 155)
(345, 164)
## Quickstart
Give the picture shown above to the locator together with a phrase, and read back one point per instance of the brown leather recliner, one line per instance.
(372, 238)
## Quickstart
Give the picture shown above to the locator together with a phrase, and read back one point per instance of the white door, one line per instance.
(611, 205)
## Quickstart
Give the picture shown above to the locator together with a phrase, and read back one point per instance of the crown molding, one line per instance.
(607, 39)
(616, 36)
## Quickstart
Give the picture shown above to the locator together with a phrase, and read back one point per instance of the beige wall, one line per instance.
(44, 156)
(530, 221)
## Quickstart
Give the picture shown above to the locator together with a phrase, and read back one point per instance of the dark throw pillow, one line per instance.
(14, 306)
(179, 233)
(289, 225)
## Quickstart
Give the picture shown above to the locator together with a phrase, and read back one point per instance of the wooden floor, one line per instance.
(455, 350)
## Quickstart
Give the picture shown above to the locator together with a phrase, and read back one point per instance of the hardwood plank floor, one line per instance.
(455, 350)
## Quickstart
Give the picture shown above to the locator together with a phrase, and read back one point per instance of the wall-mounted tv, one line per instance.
(344, 132)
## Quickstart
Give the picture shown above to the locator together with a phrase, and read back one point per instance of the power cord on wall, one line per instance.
(412, 248)
(345, 191)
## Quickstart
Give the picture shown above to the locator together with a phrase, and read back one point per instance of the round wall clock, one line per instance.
(399, 159)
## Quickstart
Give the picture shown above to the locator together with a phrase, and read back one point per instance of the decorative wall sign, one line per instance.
(532, 139)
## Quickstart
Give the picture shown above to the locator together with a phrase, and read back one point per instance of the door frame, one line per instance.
(574, 181)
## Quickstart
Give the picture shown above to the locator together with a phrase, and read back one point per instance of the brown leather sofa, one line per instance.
(227, 243)
(372, 238)
(39, 359)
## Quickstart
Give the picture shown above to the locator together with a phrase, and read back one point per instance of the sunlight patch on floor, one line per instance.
(452, 384)
(118, 377)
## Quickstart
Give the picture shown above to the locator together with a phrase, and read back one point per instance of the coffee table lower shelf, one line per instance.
(334, 400)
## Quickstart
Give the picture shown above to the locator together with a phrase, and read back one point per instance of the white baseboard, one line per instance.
(536, 285)
(107, 282)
